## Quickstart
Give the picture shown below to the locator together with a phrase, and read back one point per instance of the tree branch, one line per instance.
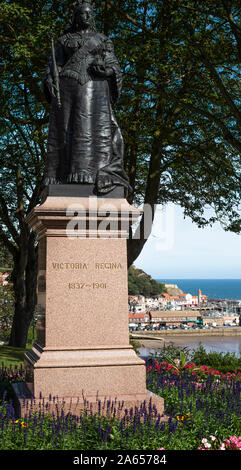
(234, 27)
(4, 215)
(216, 77)
(230, 138)
(19, 129)
(128, 17)
(9, 245)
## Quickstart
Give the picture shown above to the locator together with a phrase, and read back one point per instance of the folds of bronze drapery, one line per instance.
(85, 144)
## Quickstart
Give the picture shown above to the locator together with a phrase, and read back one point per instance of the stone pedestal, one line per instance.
(82, 350)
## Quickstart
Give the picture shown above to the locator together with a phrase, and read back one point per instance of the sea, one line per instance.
(213, 288)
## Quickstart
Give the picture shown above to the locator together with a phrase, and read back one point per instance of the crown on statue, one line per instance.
(82, 3)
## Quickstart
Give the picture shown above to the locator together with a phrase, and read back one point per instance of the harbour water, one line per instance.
(213, 288)
(223, 344)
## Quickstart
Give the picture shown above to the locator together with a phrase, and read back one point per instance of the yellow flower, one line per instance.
(15, 422)
(24, 425)
(180, 418)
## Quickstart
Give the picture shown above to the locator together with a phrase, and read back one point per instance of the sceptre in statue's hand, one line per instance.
(55, 83)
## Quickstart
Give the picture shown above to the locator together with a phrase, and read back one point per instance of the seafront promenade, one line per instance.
(166, 334)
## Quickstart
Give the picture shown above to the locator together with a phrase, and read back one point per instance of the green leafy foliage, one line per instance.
(140, 283)
(222, 361)
(6, 311)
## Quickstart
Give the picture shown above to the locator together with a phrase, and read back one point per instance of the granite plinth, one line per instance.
(82, 347)
(73, 372)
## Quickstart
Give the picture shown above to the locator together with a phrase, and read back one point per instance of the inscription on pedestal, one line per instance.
(69, 266)
(76, 266)
(84, 266)
(86, 292)
(83, 285)
(108, 266)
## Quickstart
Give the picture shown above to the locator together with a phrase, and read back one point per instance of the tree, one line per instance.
(22, 152)
(140, 283)
(179, 113)
(183, 143)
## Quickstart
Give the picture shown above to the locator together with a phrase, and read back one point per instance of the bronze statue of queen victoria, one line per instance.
(82, 81)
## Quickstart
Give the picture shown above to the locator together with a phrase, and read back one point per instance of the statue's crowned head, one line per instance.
(82, 16)
(82, 3)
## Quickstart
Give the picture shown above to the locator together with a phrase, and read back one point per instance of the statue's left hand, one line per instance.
(101, 71)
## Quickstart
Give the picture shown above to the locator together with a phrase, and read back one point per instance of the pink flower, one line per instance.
(206, 444)
(233, 443)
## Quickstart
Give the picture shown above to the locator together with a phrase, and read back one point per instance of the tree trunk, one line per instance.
(20, 327)
(135, 245)
(24, 278)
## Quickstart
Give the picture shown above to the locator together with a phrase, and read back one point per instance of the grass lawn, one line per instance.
(12, 356)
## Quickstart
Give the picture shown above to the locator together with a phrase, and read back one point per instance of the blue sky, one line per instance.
(178, 249)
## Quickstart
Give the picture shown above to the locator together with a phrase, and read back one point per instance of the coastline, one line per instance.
(156, 340)
(214, 288)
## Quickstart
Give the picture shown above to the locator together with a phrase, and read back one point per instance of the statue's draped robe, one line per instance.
(84, 142)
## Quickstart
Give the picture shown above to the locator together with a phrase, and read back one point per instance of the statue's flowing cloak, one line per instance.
(84, 138)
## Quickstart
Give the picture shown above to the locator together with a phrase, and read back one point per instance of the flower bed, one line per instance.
(200, 372)
(202, 404)
(200, 401)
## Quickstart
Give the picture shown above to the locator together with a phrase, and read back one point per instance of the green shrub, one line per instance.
(216, 359)
(171, 352)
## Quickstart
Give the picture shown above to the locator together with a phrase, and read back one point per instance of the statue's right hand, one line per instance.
(51, 88)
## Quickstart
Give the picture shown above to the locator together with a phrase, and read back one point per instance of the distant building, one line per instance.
(172, 286)
(138, 318)
(137, 303)
(175, 317)
(166, 301)
(232, 320)
(178, 302)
